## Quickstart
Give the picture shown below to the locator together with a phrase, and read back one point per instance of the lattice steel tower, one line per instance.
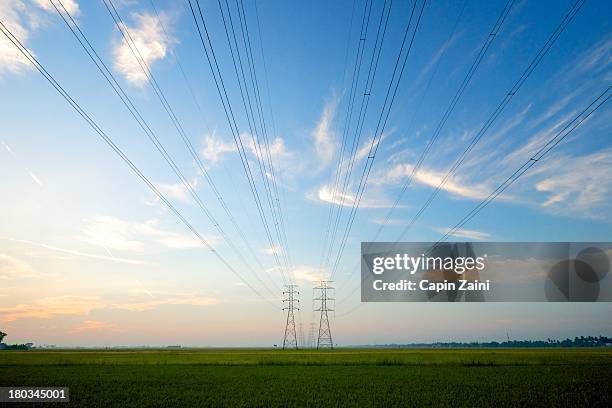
(325, 336)
(289, 301)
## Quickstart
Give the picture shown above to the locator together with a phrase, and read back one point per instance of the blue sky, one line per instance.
(88, 255)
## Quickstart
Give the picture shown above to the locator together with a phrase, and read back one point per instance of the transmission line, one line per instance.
(365, 22)
(222, 91)
(254, 132)
(362, 112)
(453, 103)
(517, 85)
(76, 106)
(534, 159)
(380, 126)
(275, 178)
(135, 113)
(498, 110)
(553, 142)
(202, 114)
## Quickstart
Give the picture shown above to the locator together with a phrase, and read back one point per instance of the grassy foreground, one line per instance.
(346, 377)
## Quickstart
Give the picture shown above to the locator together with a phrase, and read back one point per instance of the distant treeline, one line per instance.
(582, 341)
(15, 347)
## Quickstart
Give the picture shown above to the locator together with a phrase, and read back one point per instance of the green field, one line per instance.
(345, 377)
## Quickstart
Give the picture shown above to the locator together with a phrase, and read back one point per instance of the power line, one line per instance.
(269, 185)
(184, 76)
(380, 126)
(572, 125)
(453, 103)
(144, 125)
(281, 203)
(535, 158)
(365, 99)
(222, 91)
(75, 105)
(498, 110)
(365, 22)
(517, 85)
(190, 88)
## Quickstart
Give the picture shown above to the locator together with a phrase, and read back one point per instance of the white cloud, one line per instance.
(465, 233)
(325, 194)
(71, 6)
(151, 43)
(434, 178)
(276, 249)
(390, 221)
(214, 148)
(579, 185)
(12, 14)
(307, 273)
(177, 190)
(113, 233)
(283, 159)
(22, 20)
(324, 137)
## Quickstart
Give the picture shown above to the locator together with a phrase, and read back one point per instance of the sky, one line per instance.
(89, 255)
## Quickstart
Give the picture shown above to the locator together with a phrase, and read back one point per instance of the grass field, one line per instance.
(345, 377)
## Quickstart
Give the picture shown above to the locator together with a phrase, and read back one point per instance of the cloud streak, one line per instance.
(77, 253)
(114, 233)
(324, 138)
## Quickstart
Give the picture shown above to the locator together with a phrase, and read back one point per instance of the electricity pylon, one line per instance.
(290, 339)
(325, 336)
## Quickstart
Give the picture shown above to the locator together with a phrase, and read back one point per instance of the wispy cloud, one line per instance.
(177, 190)
(50, 307)
(276, 249)
(309, 274)
(179, 300)
(326, 194)
(465, 233)
(33, 176)
(94, 326)
(215, 148)
(150, 41)
(77, 253)
(285, 161)
(390, 221)
(323, 135)
(114, 233)
(598, 57)
(579, 185)
(433, 178)
(14, 268)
